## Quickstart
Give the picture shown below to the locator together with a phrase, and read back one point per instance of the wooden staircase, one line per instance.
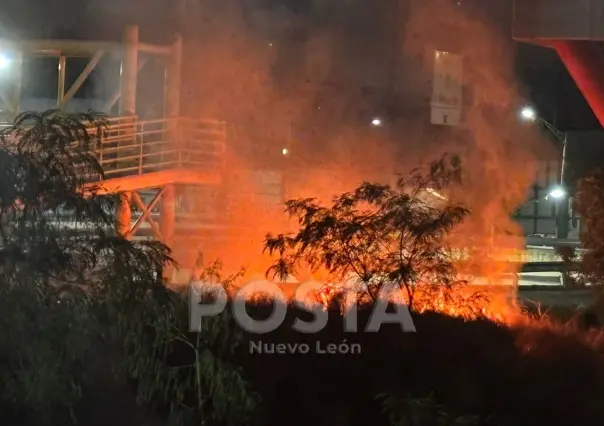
(142, 157)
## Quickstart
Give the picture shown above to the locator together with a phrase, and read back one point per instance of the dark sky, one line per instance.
(549, 86)
(543, 77)
(81, 19)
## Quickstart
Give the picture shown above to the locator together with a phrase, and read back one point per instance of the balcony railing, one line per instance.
(132, 147)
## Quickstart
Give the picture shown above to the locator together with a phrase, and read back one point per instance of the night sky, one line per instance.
(549, 86)
(543, 79)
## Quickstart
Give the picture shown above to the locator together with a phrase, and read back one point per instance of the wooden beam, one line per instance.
(75, 48)
(153, 180)
(154, 49)
(81, 78)
(118, 92)
(136, 199)
(70, 48)
(61, 82)
(145, 214)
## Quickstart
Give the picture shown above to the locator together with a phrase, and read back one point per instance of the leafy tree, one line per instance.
(46, 317)
(181, 372)
(68, 282)
(589, 204)
(378, 233)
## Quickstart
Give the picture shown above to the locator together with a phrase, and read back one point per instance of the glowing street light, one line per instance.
(557, 193)
(528, 113)
(284, 151)
(4, 61)
(376, 122)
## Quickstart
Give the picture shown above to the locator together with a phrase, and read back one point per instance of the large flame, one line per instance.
(294, 96)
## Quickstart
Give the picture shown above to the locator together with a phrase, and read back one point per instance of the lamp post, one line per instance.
(555, 193)
(530, 114)
(559, 193)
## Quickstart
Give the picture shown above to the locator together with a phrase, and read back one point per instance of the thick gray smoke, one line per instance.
(310, 76)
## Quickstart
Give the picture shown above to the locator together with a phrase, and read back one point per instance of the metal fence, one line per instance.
(132, 147)
(129, 146)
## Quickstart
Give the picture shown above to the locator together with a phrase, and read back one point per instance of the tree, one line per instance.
(183, 373)
(589, 204)
(69, 285)
(379, 233)
(43, 158)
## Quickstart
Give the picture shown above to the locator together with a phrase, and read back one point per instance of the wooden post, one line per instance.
(129, 71)
(61, 81)
(124, 214)
(167, 206)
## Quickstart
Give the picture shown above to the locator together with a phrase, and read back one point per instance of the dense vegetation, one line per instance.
(91, 334)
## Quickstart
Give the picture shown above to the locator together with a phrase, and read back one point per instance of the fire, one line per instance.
(464, 301)
(495, 303)
(327, 154)
(471, 303)
(254, 212)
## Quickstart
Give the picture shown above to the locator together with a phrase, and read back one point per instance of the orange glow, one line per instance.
(153, 180)
(230, 75)
(468, 302)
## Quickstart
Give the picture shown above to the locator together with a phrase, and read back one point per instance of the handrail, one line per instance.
(131, 147)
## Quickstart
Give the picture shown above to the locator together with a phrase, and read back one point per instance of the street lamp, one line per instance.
(4, 61)
(529, 113)
(376, 122)
(557, 193)
(562, 202)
